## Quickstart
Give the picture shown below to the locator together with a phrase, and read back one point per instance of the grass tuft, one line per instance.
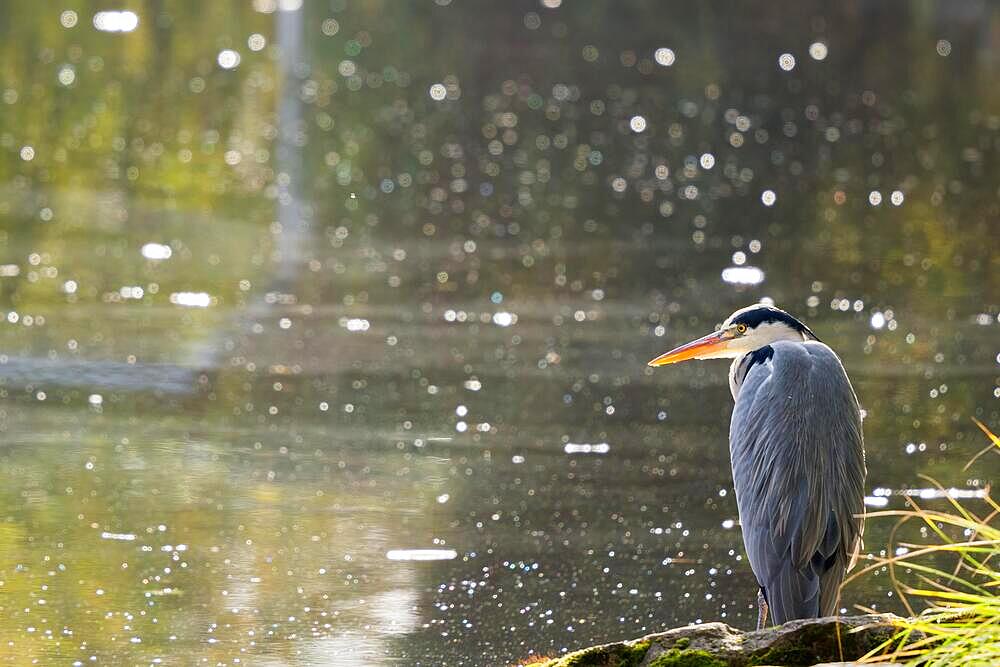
(953, 576)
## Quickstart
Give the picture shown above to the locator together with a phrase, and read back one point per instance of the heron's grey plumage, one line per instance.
(797, 454)
(798, 469)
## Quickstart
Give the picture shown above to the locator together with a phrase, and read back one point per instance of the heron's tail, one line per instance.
(793, 593)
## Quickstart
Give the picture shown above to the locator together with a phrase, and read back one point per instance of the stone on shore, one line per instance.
(818, 641)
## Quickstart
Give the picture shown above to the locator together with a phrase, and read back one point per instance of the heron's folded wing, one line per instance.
(798, 464)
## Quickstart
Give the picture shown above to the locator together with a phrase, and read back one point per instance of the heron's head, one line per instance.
(744, 331)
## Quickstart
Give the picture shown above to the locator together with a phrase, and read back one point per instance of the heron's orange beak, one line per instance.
(693, 350)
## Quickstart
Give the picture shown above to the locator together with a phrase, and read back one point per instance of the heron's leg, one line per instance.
(761, 610)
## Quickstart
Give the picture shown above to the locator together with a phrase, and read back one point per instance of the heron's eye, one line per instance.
(741, 329)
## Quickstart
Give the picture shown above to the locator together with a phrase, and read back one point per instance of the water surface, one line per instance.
(376, 393)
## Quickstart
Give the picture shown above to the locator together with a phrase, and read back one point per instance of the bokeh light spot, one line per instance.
(228, 59)
(664, 57)
(438, 92)
(818, 51)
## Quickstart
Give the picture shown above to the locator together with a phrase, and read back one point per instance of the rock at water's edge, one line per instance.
(805, 642)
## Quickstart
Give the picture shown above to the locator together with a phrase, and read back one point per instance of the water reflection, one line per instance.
(743, 275)
(121, 21)
(333, 351)
(421, 554)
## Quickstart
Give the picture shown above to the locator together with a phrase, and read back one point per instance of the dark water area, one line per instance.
(325, 325)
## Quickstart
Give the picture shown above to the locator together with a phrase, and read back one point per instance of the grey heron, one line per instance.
(797, 455)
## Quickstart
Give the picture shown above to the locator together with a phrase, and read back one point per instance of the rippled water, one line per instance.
(377, 392)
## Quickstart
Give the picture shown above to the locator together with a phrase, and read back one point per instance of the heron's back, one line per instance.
(798, 469)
